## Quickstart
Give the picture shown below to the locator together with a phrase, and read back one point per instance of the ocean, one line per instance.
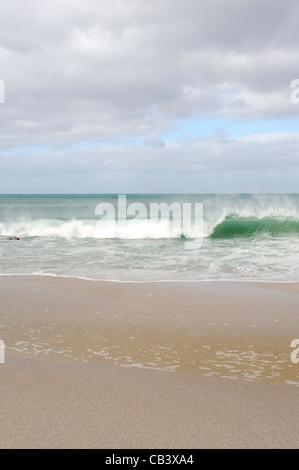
(242, 237)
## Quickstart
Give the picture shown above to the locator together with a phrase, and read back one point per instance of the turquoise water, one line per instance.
(244, 237)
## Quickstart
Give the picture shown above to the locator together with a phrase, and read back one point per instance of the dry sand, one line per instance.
(152, 365)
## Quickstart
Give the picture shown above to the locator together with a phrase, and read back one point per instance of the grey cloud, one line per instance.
(214, 153)
(256, 162)
(95, 71)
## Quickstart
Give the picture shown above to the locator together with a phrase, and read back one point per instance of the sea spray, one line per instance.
(252, 237)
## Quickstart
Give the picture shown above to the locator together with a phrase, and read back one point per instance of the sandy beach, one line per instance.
(149, 227)
(92, 364)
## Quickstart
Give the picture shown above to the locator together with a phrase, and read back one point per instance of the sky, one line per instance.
(139, 96)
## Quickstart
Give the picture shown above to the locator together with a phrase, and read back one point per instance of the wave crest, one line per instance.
(234, 227)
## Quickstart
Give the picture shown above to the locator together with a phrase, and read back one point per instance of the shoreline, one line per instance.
(179, 281)
(183, 327)
(94, 364)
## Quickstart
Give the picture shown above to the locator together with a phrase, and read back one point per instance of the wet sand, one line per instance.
(147, 365)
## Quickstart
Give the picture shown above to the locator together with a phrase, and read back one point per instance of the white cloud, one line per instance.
(187, 165)
(95, 71)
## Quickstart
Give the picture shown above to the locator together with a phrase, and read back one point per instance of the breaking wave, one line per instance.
(224, 226)
(234, 227)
